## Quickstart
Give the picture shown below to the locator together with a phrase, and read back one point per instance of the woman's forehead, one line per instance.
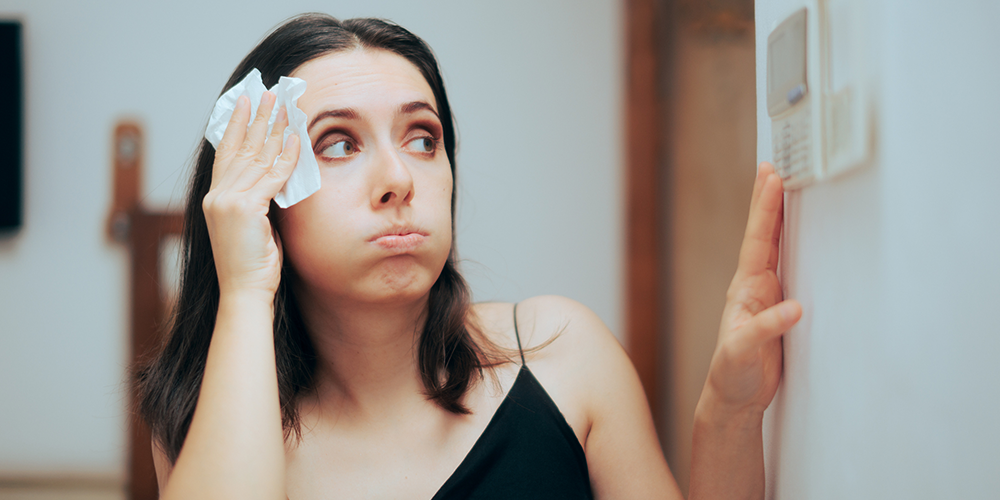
(364, 79)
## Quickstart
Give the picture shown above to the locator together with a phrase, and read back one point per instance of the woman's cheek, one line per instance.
(307, 236)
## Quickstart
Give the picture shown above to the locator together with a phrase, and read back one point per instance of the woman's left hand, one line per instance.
(746, 366)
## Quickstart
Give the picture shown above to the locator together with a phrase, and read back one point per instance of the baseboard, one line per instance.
(61, 486)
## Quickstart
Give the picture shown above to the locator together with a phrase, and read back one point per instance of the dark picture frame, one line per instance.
(11, 126)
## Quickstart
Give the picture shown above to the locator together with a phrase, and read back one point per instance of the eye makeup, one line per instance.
(335, 145)
(340, 131)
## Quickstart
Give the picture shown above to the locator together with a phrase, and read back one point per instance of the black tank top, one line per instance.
(527, 451)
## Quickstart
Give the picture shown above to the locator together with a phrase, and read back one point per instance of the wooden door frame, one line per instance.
(644, 207)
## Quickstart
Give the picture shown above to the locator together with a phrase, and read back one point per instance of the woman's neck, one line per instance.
(366, 354)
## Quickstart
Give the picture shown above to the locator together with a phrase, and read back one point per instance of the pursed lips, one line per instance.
(400, 239)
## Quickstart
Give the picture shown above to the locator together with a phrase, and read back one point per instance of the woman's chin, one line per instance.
(401, 287)
(392, 285)
(397, 280)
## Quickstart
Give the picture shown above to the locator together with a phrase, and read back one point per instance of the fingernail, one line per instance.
(241, 102)
(291, 137)
(282, 114)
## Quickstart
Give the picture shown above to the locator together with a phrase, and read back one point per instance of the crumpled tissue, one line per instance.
(305, 178)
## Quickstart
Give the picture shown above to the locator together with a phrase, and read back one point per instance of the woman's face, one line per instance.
(379, 228)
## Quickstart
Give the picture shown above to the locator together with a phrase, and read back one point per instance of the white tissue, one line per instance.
(304, 179)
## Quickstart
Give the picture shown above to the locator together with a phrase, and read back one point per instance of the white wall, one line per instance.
(534, 86)
(891, 379)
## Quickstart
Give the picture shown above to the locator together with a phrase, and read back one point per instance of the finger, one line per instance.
(276, 176)
(273, 145)
(265, 158)
(763, 170)
(255, 136)
(236, 131)
(764, 216)
(772, 260)
(769, 324)
(251, 169)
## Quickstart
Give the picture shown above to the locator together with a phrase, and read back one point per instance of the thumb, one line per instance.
(772, 322)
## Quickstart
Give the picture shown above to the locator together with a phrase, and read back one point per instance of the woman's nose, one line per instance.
(393, 183)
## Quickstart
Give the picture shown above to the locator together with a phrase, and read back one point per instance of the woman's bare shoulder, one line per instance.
(566, 345)
(568, 349)
(548, 325)
(561, 327)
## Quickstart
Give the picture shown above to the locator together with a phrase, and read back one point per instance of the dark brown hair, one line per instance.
(169, 380)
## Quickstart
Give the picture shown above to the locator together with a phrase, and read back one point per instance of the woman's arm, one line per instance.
(728, 460)
(585, 367)
(235, 447)
(623, 452)
(590, 377)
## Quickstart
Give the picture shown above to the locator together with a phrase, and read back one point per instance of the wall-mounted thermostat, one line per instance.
(824, 129)
(789, 102)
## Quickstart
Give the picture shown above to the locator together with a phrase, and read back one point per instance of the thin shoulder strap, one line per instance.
(518, 335)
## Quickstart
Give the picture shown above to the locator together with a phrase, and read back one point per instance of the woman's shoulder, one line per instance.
(548, 326)
(568, 349)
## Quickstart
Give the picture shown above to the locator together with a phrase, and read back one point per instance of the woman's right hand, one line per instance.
(235, 446)
(245, 178)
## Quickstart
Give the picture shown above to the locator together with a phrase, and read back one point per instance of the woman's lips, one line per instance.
(399, 243)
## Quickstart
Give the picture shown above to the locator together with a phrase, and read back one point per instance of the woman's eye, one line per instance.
(339, 149)
(422, 144)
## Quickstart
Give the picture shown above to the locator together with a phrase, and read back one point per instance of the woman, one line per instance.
(329, 350)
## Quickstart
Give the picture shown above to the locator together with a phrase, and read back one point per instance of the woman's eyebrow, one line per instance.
(344, 113)
(352, 114)
(413, 107)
